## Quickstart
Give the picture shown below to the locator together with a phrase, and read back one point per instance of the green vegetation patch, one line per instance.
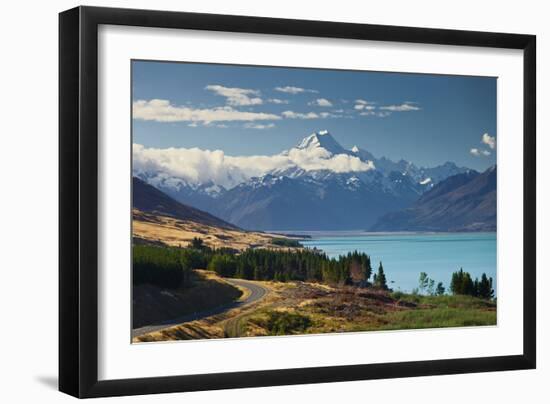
(283, 322)
(286, 242)
(346, 312)
(305, 265)
(452, 301)
(462, 284)
(159, 266)
(438, 317)
(165, 267)
(458, 302)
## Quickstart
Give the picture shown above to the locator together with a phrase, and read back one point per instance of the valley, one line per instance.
(212, 261)
(316, 185)
(159, 219)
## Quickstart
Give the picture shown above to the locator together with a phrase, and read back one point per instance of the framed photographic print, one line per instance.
(250, 201)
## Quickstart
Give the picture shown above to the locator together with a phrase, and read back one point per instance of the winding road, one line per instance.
(257, 293)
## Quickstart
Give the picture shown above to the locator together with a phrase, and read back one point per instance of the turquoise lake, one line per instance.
(404, 256)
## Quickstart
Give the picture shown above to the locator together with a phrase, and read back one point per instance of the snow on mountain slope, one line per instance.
(317, 178)
(322, 139)
(174, 168)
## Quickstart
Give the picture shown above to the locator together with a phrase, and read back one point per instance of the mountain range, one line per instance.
(147, 198)
(159, 219)
(321, 186)
(464, 202)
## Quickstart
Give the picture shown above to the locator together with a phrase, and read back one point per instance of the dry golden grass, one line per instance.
(199, 329)
(175, 232)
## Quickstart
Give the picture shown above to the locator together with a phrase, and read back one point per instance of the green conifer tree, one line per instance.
(380, 280)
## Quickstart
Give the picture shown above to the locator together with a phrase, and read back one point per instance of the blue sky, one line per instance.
(248, 110)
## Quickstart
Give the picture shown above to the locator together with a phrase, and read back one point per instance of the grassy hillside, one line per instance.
(147, 198)
(155, 228)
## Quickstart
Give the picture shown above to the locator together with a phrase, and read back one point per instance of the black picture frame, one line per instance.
(78, 201)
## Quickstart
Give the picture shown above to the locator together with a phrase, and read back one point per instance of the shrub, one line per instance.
(398, 295)
(284, 323)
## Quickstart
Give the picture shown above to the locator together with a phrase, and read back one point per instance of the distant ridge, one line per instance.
(149, 199)
(315, 185)
(463, 202)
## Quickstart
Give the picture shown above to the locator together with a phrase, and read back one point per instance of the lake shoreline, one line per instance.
(311, 234)
(406, 255)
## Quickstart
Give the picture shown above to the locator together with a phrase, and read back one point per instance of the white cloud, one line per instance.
(277, 101)
(208, 124)
(163, 111)
(369, 108)
(330, 115)
(200, 166)
(191, 165)
(488, 140)
(321, 159)
(309, 115)
(259, 125)
(321, 102)
(236, 96)
(294, 90)
(361, 105)
(405, 107)
(380, 114)
(479, 152)
(299, 115)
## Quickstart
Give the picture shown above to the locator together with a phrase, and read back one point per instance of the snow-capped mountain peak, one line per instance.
(203, 178)
(321, 139)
